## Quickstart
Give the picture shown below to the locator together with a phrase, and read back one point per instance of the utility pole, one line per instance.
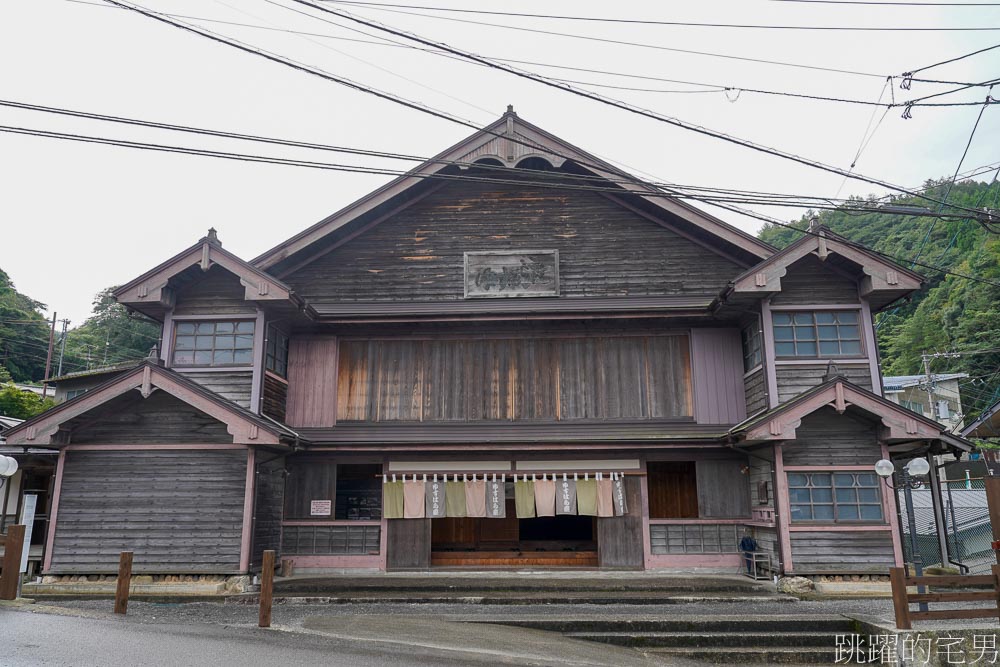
(62, 347)
(929, 385)
(48, 357)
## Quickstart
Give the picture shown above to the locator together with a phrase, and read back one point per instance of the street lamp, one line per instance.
(8, 467)
(914, 469)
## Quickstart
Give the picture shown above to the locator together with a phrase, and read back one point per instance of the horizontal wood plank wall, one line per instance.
(619, 539)
(160, 419)
(811, 281)
(793, 379)
(179, 511)
(723, 489)
(312, 381)
(604, 249)
(236, 386)
(863, 551)
(215, 292)
(717, 367)
(538, 379)
(269, 487)
(755, 389)
(331, 540)
(827, 439)
(274, 397)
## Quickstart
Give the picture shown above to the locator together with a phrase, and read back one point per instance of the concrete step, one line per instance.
(676, 623)
(750, 656)
(711, 639)
(512, 599)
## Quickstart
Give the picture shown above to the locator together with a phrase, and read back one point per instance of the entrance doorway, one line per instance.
(559, 541)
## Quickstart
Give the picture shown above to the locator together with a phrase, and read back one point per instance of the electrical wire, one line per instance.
(689, 24)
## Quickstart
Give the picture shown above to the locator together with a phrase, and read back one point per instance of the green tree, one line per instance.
(109, 336)
(24, 333)
(21, 404)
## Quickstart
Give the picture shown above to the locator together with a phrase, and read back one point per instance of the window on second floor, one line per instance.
(818, 334)
(223, 343)
(276, 352)
(751, 346)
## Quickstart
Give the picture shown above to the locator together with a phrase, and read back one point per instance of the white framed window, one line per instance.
(817, 334)
(835, 497)
(213, 343)
(751, 337)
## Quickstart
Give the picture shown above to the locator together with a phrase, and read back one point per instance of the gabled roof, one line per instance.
(112, 369)
(150, 293)
(899, 424)
(987, 425)
(508, 141)
(878, 276)
(246, 427)
(900, 382)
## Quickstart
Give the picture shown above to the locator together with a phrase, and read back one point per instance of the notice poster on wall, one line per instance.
(320, 507)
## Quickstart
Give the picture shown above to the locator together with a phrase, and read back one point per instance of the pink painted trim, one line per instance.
(216, 316)
(696, 560)
(889, 501)
(684, 522)
(647, 546)
(784, 510)
(167, 338)
(248, 495)
(56, 490)
(137, 448)
(257, 379)
(829, 468)
(306, 522)
(366, 562)
(813, 361)
(839, 528)
(383, 539)
(555, 446)
(767, 360)
(869, 334)
(211, 369)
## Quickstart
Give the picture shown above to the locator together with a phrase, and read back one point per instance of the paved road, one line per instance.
(81, 638)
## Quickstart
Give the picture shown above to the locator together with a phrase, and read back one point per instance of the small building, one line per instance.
(71, 385)
(514, 355)
(910, 391)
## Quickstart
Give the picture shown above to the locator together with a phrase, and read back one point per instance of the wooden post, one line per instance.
(266, 589)
(124, 581)
(897, 577)
(992, 485)
(13, 546)
(996, 587)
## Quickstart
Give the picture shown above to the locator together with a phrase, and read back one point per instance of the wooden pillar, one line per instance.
(900, 603)
(993, 504)
(13, 545)
(124, 582)
(266, 589)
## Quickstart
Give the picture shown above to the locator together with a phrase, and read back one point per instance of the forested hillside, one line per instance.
(951, 314)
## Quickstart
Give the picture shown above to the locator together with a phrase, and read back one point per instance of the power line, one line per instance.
(609, 101)
(891, 4)
(689, 24)
(957, 58)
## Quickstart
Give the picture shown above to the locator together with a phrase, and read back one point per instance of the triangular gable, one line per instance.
(245, 427)
(151, 293)
(878, 275)
(899, 424)
(504, 142)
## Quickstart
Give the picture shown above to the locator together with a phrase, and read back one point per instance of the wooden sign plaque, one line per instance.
(511, 273)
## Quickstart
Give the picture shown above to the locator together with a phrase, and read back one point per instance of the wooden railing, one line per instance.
(902, 599)
(13, 547)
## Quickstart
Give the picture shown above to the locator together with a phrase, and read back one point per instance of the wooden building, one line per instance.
(512, 308)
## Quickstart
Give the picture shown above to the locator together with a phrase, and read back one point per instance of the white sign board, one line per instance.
(28, 521)
(320, 507)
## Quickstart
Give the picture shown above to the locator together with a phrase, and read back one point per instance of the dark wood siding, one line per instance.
(178, 510)
(408, 544)
(235, 386)
(863, 551)
(269, 490)
(217, 291)
(619, 539)
(826, 438)
(274, 397)
(312, 382)
(717, 367)
(809, 281)
(672, 489)
(761, 473)
(160, 419)
(755, 388)
(671, 539)
(797, 378)
(723, 489)
(331, 540)
(604, 249)
(521, 379)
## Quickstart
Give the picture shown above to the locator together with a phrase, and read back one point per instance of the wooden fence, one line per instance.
(902, 599)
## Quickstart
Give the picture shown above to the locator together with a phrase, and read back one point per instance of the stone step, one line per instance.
(750, 656)
(512, 599)
(711, 639)
(486, 582)
(751, 625)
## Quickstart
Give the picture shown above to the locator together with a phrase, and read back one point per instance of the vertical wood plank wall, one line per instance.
(408, 543)
(620, 538)
(312, 381)
(717, 369)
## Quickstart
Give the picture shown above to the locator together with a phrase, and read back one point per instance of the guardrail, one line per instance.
(902, 599)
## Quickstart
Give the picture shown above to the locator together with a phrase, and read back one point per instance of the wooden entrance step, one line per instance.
(514, 559)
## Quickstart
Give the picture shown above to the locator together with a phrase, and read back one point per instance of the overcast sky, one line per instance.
(78, 217)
